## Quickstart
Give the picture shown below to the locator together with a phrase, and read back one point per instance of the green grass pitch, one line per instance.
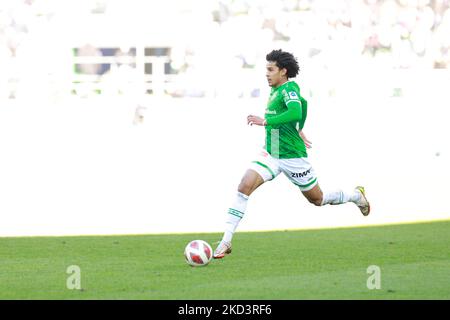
(414, 260)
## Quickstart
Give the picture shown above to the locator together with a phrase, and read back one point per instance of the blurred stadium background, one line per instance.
(130, 116)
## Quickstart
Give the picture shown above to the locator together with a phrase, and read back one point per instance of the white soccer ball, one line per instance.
(198, 253)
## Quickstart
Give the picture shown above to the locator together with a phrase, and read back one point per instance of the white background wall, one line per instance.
(80, 166)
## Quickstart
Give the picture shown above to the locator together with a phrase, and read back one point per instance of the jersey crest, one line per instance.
(293, 95)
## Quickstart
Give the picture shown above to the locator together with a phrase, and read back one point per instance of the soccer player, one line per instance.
(285, 149)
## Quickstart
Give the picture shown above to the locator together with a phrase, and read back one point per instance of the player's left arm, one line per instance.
(293, 113)
(291, 98)
(293, 104)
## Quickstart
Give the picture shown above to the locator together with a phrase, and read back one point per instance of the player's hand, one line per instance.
(251, 120)
(308, 144)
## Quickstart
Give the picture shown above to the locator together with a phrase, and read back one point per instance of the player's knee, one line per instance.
(245, 187)
(316, 201)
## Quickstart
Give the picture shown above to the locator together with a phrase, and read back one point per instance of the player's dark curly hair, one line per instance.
(284, 60)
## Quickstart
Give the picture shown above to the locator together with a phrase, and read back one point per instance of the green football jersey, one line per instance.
(283, 140)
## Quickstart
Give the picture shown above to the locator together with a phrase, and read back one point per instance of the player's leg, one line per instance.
(249, 183)
(319, 198)
(301, 173)
(315, 195)
(265, 169)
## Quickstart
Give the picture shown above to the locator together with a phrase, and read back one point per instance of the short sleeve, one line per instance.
(291, 93)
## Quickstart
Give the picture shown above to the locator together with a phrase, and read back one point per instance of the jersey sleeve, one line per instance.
(291, 94)
(291, 98)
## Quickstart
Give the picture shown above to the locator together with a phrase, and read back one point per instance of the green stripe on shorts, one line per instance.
(264, 166)
(306, 185)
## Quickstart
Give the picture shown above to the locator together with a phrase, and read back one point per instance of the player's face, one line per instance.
(275, 76)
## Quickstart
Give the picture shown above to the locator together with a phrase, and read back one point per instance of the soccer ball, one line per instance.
(198, 253)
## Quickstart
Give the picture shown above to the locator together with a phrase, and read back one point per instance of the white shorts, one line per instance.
(298, 170)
